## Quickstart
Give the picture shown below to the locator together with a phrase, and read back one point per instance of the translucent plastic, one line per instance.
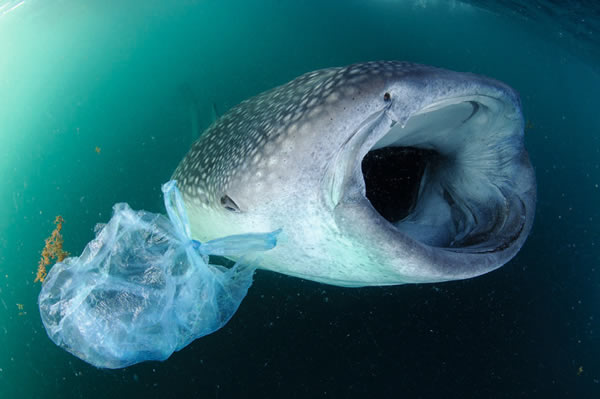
(143, 289)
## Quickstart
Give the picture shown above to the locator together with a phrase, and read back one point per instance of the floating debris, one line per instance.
(52, 250)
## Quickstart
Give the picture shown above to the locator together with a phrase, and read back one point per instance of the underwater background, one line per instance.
(99, 100)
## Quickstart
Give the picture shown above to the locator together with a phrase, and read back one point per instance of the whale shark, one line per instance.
(377, 173)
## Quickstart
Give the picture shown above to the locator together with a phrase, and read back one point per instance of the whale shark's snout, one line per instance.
(377, 173)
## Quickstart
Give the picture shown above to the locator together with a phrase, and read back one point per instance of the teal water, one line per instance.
(99, 101)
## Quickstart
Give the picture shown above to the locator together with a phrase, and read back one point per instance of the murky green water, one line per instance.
(99, 101)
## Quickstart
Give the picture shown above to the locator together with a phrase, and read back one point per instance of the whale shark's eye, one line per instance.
(229, 204)
(387, 96)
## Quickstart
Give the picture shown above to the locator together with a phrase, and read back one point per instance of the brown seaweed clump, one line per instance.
(52, 250)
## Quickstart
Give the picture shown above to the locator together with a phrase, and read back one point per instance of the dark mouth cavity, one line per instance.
(393, 177)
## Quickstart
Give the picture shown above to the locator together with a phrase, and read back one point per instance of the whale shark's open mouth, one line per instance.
(393, 176)
(447, 177)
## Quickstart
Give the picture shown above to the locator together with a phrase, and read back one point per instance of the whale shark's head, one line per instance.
(377, 173)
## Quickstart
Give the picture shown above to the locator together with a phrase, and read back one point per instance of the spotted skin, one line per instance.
(249, 139)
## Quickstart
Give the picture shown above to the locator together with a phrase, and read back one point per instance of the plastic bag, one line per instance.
(143, 289)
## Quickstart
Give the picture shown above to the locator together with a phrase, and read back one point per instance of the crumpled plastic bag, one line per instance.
(143, 288)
